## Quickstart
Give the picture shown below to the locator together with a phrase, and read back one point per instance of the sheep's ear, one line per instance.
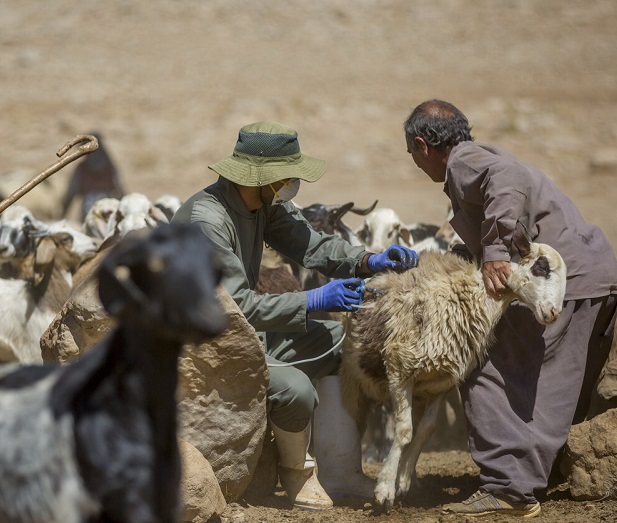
(520, 241)
(43, 259)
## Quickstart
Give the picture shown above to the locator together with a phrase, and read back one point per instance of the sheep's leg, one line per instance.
(401, 395)
(425, 428)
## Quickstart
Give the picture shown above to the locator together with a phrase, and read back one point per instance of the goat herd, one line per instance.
(95, 440)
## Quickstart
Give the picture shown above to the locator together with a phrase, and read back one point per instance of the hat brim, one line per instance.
(243, 171)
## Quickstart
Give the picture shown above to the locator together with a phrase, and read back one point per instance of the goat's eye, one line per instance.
(541, 268)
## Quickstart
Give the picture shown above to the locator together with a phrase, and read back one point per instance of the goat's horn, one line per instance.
(89, 144)
(364, 212)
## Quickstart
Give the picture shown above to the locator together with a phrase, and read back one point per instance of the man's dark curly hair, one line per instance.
(440, 124)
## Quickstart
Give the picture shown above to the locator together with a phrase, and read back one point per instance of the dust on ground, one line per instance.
(444, 477)
(168, 84)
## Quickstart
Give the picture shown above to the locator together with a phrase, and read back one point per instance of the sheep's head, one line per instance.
(165, 279)
(539, 278)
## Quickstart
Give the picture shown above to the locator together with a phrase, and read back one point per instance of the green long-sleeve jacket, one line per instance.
(239, 237)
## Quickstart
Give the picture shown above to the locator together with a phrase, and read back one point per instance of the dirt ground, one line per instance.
(444, 477)
(168, 83)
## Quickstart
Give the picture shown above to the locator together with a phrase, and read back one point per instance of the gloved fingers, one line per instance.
(402, 257)
(411, 258)
(352, 283)
(395, 252)
(352, 296)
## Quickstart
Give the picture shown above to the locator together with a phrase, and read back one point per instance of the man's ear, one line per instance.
(421, 144)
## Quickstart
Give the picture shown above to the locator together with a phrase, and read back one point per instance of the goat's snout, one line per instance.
(550, 314)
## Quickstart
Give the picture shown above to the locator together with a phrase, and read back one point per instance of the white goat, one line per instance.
(169, 204)
(27, 306)
(425, 333)
(383, 227)
(96, 440)
(16, 224)
(135, 211)
(96, 222)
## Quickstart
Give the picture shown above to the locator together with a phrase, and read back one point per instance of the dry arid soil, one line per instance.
(168, 83)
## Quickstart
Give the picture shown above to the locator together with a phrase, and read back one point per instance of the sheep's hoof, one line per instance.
(384, 495)
(380, 510)
(405, 483)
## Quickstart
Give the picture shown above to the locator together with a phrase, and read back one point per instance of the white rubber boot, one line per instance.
(337, 444)
(297, 470)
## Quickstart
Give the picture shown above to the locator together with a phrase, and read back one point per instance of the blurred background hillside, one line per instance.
(168, 83)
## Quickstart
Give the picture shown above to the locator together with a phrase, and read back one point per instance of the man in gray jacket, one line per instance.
(249, 205)
(537, 380)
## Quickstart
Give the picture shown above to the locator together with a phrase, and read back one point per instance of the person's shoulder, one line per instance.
(464, 154)
(201, 207)
(479, 149)
(478, 155)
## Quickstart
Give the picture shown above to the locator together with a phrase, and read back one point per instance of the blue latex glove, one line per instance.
(335, 296)
(394, 257)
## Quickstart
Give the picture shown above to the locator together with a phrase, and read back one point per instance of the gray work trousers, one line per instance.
(291, 397)
(521, 403)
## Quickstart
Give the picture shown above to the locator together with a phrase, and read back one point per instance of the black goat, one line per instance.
(328, 218)
(95, 440)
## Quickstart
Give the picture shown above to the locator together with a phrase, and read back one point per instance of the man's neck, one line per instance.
(251, 196)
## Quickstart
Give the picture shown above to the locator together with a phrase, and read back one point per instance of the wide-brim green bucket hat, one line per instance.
(267, 152)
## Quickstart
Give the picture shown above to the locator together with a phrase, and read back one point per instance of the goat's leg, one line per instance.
(425, 428)
(401, 395)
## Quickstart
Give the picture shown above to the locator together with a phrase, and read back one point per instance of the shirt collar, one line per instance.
(231, 195)
(446, 189)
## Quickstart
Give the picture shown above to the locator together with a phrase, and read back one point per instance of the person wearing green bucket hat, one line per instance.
(249, 205)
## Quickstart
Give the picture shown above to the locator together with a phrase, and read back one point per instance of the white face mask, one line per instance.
(286, 192)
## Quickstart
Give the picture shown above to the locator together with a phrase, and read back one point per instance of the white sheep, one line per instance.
(425, 333)
(27, 306)
(96, 440)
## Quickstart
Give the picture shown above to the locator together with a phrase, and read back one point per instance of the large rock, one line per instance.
(200, 492)
(223, 404)
(604, 396)
(266, 477)
(590, 460)
(80, 325)
(222, 383)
